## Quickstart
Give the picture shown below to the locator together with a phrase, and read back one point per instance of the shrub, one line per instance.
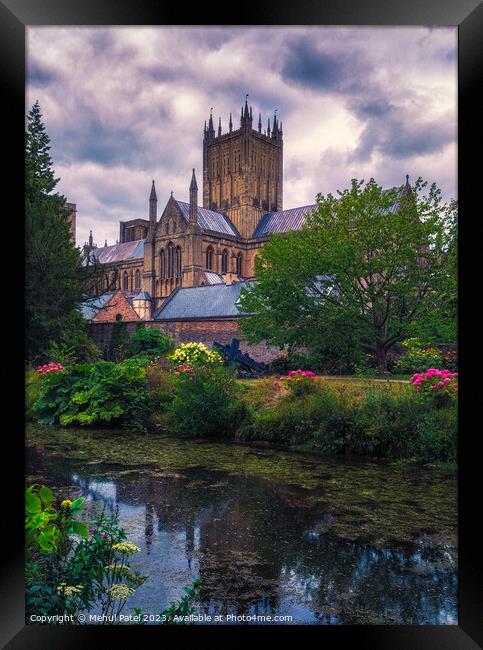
(118, 344)
(437, 436)
(96, 393)
(149, 343)
(195, 354)
(70, 567)
(416, 357)
(441, 386)
(299, 382)
(206, 402)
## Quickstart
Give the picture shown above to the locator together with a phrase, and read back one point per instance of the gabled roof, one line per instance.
(210, 301)
(91, 307)
(283, 221)
(210, 220)
(129, 250)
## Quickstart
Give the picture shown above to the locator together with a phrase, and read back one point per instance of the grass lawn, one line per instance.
(260, 393)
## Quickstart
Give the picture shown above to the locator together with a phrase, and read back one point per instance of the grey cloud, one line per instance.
(39, 75)
(306, 65)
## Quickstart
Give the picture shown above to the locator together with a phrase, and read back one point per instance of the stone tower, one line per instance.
(243, 170)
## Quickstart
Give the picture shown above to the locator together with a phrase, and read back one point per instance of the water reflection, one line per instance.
(257, 551)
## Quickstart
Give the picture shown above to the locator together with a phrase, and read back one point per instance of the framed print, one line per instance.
(246, 310)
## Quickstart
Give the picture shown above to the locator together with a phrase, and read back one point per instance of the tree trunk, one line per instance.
(381, 357)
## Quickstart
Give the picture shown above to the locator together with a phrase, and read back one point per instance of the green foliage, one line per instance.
(357, 270)
(70, 569)
(33, 383)
(379, 423)
(149, 343)
(418, 357)
(437, 435)
(53, 287)
(206, 403)
(73, 344)
(118, 345)
(96, 393)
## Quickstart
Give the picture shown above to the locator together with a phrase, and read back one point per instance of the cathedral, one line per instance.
(191, 245)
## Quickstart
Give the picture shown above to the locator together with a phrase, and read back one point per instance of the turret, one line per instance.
(193, 199)
(90, 239)
(153, 208)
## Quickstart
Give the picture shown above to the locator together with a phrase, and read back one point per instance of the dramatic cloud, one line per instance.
(125, 105)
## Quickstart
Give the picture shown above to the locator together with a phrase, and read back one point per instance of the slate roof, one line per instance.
(214, 278)
(210, 220)
(119, 252)
(210, 301)
(89, 308)
(283, 221)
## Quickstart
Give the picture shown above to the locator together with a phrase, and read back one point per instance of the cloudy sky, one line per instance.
(125, 105)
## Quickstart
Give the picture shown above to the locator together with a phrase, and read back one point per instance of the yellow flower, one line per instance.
(126, 547)
(66, 503)
(120, 592)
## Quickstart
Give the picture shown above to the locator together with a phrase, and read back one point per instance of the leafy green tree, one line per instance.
(119, 342)
(371, 260)
(149, 343)
(53, 286)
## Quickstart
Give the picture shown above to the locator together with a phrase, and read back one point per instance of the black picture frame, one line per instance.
(15, 16)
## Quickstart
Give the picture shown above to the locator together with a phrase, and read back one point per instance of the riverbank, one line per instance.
(374, 501)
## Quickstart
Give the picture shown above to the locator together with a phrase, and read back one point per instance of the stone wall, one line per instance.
(201, 331)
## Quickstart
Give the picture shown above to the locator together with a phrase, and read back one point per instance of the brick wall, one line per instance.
(201, 331)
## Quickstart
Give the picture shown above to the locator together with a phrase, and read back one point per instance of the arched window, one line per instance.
(239, 264)
(179, 262)
(171, 260)
(125, 281)
(209, 258)
(162, 263)
(138, 279)
(224, 261)
(131, 284)
(113, 280)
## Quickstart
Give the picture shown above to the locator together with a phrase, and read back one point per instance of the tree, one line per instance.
(370, 260)
(53, 288)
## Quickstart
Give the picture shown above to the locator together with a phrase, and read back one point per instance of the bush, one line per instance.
(149, 343)
(206, 402)
(437, 436)
(439, 386)
(70, 567)
(195, 354)
(299, 382)
(418, 357)
(96, 393)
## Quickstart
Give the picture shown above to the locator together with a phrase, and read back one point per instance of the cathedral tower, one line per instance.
(243, 170)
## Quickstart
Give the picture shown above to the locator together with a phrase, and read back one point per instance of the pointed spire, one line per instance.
(246, 114)
(193, 199)
(230, 124)
(268, 128)
(152, 196)
(205, 127)
(105, 243)
(90, 238)
(210, 122)
(153, 208)
(194, 184)
(251, 112)
(259, 122)
(219, 127)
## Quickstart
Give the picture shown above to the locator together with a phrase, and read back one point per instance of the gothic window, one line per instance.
(162, 264)
(131, 281)
(125, 281)
(178, 262)
(171, 260)
(138, 279)
(239, 264)
(224, 261)
(209, 258)
(113, 281)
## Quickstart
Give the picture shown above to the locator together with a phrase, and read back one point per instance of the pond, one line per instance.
(267, 532)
